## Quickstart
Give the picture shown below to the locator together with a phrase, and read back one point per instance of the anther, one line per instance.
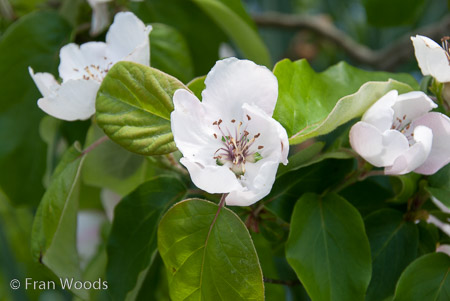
(260, 147)
(233, 120)
(248, 117)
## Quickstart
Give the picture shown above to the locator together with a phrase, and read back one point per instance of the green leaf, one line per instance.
(367, 196)
(309, 156)
(133, 107)
(54, 227)
(202, 265)
(439, 185)
(232, 23)
(393, 243)
(33, 40)
(110, 166)
(404, 187)
(133, 234)
(311, 104)
(292, 185)
(393, 13)
(170, 53)
(427, 278)
(202, 34)
(197, 85)
(328, 248)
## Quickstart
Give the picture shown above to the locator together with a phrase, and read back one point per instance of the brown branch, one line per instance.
(383, 59)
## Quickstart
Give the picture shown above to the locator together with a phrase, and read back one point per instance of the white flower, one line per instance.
(399, 133)
(229, 140)
(100, 15)
(83, 68)
(432, 58)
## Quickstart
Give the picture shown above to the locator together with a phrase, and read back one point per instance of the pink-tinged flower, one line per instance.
(433, 59)
(399, 133)
(229, 141)
(84, 67)
(89, 224)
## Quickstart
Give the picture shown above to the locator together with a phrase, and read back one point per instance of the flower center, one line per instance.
(95, 72)
(444, 41)
(237, 148)
(404, 127)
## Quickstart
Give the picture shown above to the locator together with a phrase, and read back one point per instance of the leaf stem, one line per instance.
(94, 145)
(221, 205)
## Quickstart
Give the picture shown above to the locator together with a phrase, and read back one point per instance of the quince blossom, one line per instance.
(229, 141)
(399, 133)
(433, 59)
(84, 67)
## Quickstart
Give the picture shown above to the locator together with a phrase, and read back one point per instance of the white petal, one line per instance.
(128, 39)
(440, 150)
(416, 155)
(273, 137)
(232, 82)
(100, 16)
(431, 58)
(74, 60)
(412, 105)
(109, 200)
(444, 249)
(379, 149)
(192, 129)
(88, 234)
(212, 179)
(438, 223)
(45, 82)
(74, 100)
(381, 114)
(259, 179)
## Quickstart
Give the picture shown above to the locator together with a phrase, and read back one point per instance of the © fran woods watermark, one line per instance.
(64, 283)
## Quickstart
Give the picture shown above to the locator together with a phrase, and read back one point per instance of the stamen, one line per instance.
(445, 46)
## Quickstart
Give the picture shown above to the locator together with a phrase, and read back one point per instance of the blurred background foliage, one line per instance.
(370, 34)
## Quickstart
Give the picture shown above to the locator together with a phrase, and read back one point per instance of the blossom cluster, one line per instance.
(229, 141)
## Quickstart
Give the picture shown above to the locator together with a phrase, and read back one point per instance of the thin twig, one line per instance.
(94, 145)
(384, 59)
(282, 282)
(177, 165)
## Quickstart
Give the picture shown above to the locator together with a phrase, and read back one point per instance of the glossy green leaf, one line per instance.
(170, 53)
(197, 85)
(133, 107)
(111, 166)
(439, 185)
(311, 104)
(54, 227)
(427, 278)
(393, 243)
(367, 196)
(34, 41)
(220, 265)
(292, 185)
(328, 248)
(244, 35)
(133, 234)
(393, 13)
